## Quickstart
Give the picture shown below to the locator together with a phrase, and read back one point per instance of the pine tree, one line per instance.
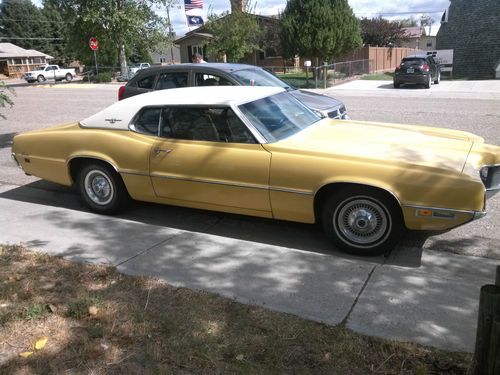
(319, 29)
(22, 24)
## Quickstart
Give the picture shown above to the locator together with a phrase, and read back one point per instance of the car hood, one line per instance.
(387, 143)
(316, 101)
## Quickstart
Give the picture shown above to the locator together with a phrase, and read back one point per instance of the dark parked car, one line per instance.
(218, 74)
(417, 69)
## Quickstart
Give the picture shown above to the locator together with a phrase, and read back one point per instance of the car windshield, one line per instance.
(278, 116)
(412, 62)
(259, 77)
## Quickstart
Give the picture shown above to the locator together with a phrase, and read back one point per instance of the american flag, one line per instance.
(193, 4)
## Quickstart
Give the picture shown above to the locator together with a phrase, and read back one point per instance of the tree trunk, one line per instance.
(123, 61)
(489, 312)
(494, 352)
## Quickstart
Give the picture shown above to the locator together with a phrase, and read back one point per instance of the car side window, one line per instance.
(146, 82)
(148, 121)
(172, 80)
(204, 124)
(204, 79)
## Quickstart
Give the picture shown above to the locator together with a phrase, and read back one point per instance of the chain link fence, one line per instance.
(323, 76)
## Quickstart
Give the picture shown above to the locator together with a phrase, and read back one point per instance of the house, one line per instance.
(196, 41)
(471, 29)
(166, 55)
(418, 39)
(14, 60)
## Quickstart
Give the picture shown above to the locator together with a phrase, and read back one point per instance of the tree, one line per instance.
(409, 22)
(234, 34)
(5, 99)
(321, 29)
(57, 31)
(426, 20)
(381, 32)
(121, 26)
(23, 24)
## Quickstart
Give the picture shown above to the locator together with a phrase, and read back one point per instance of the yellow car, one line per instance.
(258, 151)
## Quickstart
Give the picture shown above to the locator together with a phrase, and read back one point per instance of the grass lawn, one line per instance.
(386, 76)
(62, 317)
(298, 79)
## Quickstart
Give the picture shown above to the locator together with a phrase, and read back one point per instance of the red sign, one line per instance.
(94, 44)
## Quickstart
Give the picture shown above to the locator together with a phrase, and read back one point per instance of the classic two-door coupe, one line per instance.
(259, 151)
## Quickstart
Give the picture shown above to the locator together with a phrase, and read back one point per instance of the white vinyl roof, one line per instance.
(119, 115)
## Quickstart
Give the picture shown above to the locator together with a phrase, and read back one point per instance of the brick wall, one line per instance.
(473, 32)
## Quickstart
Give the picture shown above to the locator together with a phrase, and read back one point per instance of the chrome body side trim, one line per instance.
(133, 172)
(249, 186)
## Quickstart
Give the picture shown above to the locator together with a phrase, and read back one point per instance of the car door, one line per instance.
(209, 157)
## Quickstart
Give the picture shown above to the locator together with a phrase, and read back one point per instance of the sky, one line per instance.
(389, 9)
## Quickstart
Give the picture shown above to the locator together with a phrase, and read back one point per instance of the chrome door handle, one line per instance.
(158, 150)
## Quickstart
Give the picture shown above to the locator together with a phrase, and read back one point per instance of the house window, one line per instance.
(17, 61)
(37, 60)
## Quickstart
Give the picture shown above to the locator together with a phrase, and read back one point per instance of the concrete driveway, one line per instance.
(415, 294)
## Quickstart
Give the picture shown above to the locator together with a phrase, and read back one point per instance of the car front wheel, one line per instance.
(362, 220)
(102, 188)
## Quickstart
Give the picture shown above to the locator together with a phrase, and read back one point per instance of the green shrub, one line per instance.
(103, 77)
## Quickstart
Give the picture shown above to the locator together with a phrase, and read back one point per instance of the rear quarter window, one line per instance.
(146, 82)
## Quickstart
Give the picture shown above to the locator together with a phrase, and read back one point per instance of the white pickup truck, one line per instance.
(49, 72)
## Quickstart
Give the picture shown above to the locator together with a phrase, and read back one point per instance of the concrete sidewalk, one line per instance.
(422, 296)
(485, 89)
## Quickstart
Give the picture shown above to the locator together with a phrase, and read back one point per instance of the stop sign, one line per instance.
(94, 44)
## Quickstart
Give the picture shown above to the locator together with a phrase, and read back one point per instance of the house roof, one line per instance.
(202, 30)
(414, 32)
(9, 50)
(193, 34)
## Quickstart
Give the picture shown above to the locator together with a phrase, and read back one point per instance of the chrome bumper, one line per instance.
(13, 156)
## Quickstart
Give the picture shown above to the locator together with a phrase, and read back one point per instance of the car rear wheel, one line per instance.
(428, 82)
(362, 220)
(69, 77)
(101, 188)
(40, 78)
(438, 78)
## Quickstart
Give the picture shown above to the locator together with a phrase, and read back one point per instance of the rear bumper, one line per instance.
(411, 78)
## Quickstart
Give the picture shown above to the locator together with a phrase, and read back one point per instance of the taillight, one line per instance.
(121, 91)
(425, 68)
(398, 68)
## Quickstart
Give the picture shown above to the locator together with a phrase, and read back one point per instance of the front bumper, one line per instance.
(13, 156)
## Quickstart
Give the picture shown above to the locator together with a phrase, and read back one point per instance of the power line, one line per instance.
(34, 20)
(403, 13)
(17, 38)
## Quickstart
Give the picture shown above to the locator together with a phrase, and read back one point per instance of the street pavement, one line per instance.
(419, 293)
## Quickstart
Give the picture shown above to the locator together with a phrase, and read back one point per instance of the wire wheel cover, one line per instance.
(98, 187)
(362, 221)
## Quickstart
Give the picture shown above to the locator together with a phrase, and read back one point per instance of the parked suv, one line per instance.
(417, 69)
(218, 74)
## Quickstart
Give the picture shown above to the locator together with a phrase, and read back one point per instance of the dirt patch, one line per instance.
(62, 317)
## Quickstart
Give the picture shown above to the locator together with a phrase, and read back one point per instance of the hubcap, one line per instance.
(98, 187)
(362, 222)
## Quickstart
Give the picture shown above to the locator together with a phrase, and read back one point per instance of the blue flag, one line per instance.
(194, 20)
